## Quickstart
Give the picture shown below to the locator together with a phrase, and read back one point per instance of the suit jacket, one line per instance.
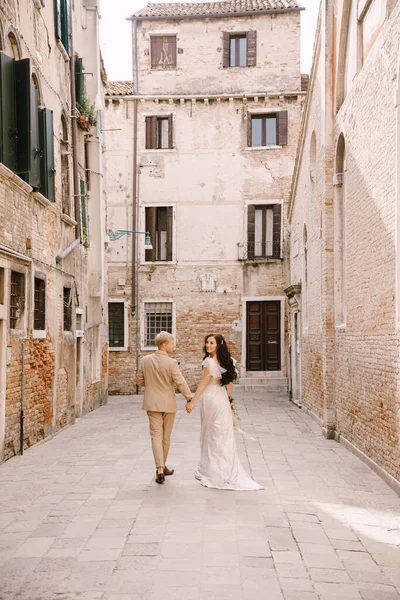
(159, 374)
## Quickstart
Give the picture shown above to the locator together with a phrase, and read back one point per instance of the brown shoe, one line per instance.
(168, 471)
(160, 477)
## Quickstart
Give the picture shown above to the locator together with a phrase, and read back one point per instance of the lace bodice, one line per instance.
(215, 370)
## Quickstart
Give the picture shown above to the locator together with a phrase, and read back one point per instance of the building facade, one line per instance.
(201, 150)
(53, 308)
(344, 223)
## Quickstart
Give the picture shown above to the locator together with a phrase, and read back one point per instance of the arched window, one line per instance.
(313, 156)
(65, 171)
(35, 82)
(339, 200)
(304, 287)
(13, 46)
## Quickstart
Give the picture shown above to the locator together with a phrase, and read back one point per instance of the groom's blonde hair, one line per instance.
(163, 337)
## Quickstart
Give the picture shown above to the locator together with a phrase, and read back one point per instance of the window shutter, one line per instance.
(251, 48)
(249, 131)
(282, 127)
(225, 49)
(170, 131)
(151, 228)
(79, 82)
(24, 114)
(151, 133)
(57, 19)
(47, 170)
(84, 212)
(170, 225)
(276, 250)
(8, 117)
(251, 219)
(69, 27)
(173, 50)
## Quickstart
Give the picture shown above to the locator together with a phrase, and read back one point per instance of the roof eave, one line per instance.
(214, 15)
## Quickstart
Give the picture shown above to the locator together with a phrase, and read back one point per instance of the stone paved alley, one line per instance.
(81, 517)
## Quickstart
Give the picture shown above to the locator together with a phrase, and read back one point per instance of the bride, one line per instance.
(219, 465)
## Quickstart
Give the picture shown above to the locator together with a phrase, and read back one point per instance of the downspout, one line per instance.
(22, 414)
(74, 128)
(135, 197)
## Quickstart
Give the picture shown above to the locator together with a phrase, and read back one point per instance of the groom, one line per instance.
(159, 374)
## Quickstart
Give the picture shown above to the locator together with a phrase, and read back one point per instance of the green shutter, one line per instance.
(84, 215)
(23, 105)
(57, 19)
(79, 82)
(66, 25)
(8, 116)
(47, 170)
(33, 176)
(69, 27)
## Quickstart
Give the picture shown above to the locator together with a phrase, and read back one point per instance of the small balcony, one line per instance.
(267, 252)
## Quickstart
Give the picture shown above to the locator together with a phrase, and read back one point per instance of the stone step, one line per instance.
(267, 382)
(261, 388)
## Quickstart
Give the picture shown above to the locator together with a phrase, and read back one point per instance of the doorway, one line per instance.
(263, 335)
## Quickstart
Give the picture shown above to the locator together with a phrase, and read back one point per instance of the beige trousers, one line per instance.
(161, 424)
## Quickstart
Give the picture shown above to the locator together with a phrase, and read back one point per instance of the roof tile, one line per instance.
(201, 9)
(119, 88)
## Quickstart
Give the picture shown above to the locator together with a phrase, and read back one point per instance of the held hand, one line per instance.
(189, 405)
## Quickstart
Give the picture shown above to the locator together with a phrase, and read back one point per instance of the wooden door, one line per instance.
(263, 342)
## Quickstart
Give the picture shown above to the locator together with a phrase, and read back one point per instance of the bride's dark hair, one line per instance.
(224, 358)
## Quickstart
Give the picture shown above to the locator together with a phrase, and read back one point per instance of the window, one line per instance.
(116, 325)
(14, 46)
(158, 317)
(267, 130)
(17, 300)
(39, 309)
(63, 23)
(264, 231)
(159, 224)
(26, 136)
(239, 49)
(67, 312)
(65, 182)
(159, 132)
(163, 52)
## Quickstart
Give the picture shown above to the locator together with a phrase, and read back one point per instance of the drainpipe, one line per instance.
(135, 196)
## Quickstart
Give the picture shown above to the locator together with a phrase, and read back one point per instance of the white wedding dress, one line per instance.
(219, 465)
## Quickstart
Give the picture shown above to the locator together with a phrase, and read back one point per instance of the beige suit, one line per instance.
(159, 374)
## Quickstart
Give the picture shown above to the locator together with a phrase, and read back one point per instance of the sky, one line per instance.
(115, 35)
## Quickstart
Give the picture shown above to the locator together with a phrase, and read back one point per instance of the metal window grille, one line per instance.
(158, 317)
(116, 324)
(39, 310)
(67, 304)
(17, 298)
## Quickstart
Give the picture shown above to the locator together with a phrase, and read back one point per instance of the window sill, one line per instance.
(166, 69)
(79, 333)
(116, 349)
(149, 348)
(261, 260)
(68, 333)
(17, 332)
(167, 150)
(156, 263)
(68, 220)
(41, 199)
(255, 148)
(39, 334)
(340, 328)
(20, 183)
(63, 51)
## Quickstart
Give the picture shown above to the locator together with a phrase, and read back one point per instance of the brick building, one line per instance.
(53, 310)
(344, 291)
(201, 149)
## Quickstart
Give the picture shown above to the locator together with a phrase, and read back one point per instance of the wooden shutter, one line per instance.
(151, 133)
(249, 131)
(8, 115)
(69, 27)
(282, 118)
(277, 226)
(251, 220)
(57, 19)
(172, 41)
(24, 114)
(33, 175)
(47, 171)
(79, 82)
(151, 228)
(225, 49)
(170, 131)
(156, 48)
(170, 228)
(251, 48)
